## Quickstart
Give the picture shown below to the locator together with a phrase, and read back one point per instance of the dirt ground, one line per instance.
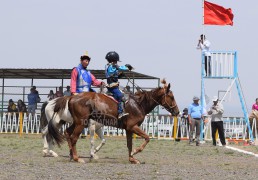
(21, 158)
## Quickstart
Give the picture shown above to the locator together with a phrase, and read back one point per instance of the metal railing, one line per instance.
(223, 64)
(161, 127)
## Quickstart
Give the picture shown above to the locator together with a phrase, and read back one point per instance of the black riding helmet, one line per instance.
(112, 56)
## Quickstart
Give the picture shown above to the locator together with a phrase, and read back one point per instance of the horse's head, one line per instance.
(165, 98)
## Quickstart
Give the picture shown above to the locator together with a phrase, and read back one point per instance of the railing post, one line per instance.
(175, 127)
(21, 123)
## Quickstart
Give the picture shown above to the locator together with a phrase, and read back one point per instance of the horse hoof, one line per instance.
(45, 153)
(133, 152)
(81, 160)
(95, 156)
(137, 162)
(52, 153)
(134, 161)
(71, 157)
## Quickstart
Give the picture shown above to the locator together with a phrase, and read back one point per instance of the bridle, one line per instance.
(170, 108)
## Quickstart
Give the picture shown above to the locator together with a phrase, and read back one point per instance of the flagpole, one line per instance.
(203, 17)
(202, 79)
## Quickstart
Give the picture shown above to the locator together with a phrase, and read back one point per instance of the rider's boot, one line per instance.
(122, 113)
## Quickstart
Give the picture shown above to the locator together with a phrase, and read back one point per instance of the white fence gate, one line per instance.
(161, 127)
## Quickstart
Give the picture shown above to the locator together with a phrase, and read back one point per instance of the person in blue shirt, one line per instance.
(32, 101)
(112, 72)
(195, 113)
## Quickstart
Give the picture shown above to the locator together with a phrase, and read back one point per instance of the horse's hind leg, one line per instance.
(142, 134)
(45, 142)
(68, 133)
(74, 137)
(48, 144)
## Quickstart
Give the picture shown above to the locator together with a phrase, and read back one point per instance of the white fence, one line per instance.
(161, 127)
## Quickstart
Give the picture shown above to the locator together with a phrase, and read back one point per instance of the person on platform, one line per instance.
(204, 44)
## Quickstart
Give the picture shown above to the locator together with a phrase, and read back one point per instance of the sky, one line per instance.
(157, 38)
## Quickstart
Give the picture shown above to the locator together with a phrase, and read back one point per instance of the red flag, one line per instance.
(217, 15)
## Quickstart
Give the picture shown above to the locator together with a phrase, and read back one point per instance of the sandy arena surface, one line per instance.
(21, 158)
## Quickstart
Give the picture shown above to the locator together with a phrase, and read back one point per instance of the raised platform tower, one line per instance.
(223, 65)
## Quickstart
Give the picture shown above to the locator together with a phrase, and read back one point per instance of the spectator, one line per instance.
(37, 93)
(11, 106)
(35, 90)
(67, 92)
(32, 101)
(204, 45)
(195, 114)
(51, 95)
(216, 112)
(59, 93)
(21, 106)
(185, 120)
(254, 115)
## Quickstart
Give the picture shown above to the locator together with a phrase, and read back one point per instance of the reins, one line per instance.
(133, 83)
(170, 107)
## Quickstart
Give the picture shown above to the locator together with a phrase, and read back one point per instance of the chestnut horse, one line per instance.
(103, 109)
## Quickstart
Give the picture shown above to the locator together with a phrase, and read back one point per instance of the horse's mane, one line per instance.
(61, 103)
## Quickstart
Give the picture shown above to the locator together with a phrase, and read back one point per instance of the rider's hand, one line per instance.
(120, 75)
(129, 67)
(74, 94)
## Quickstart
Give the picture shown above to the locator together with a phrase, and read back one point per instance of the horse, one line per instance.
(64, 116)
(103, 109)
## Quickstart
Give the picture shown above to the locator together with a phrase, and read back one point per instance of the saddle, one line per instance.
(110, 95)
(125, 98)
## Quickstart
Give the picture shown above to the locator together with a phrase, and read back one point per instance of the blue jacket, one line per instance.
(112, 72)
(32, 98)
(84, 80)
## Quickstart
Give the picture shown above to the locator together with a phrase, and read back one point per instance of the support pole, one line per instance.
(241, 98)
(2, 96)
(21, 122)
(175, 127)
(202, 97)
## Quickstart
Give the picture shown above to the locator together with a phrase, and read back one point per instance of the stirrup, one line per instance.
(121, 115)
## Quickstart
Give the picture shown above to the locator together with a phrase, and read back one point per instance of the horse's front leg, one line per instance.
(74, 137)
(92, 131)
(129, 137)
(99, 132)
(136, 129)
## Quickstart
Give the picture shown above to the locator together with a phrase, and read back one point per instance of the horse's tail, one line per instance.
(54, 133)
(43, 117)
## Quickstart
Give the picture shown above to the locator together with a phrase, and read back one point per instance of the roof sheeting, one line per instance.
(16, 73)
